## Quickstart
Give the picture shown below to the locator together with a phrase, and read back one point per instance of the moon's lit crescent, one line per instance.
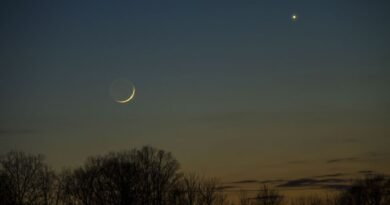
(129, 98)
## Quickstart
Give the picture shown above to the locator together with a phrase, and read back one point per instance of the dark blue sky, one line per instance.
(227, 86)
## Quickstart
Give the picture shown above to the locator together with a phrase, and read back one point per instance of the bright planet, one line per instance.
(294, 17)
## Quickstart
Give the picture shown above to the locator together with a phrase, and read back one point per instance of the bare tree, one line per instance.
(6, 197)
(191, 185)
(221, 199)
(158, 175)
(28, 180)
(372, 190)
(244, 198)
(147, 176)
(209, 192)
(268, 196)
(64, 188)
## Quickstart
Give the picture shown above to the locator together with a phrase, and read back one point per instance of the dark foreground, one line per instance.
(149, 176)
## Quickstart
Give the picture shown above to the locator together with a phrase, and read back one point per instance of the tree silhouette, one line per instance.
(372, 190)
(244, 198)
(268, 196)
(208, 192)
(25, 179)
(190, 185)
(147, 176)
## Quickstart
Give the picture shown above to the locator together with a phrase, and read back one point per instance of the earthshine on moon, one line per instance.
(122, 91)
(129, 98)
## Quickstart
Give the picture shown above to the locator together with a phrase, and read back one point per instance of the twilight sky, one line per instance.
(233, 89)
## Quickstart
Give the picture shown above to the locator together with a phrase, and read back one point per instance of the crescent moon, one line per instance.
(129, 98)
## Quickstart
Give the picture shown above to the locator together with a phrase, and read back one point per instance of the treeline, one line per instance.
(146, 176)
(371, 190)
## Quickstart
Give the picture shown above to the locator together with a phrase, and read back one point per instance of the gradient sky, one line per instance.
(233, 89)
